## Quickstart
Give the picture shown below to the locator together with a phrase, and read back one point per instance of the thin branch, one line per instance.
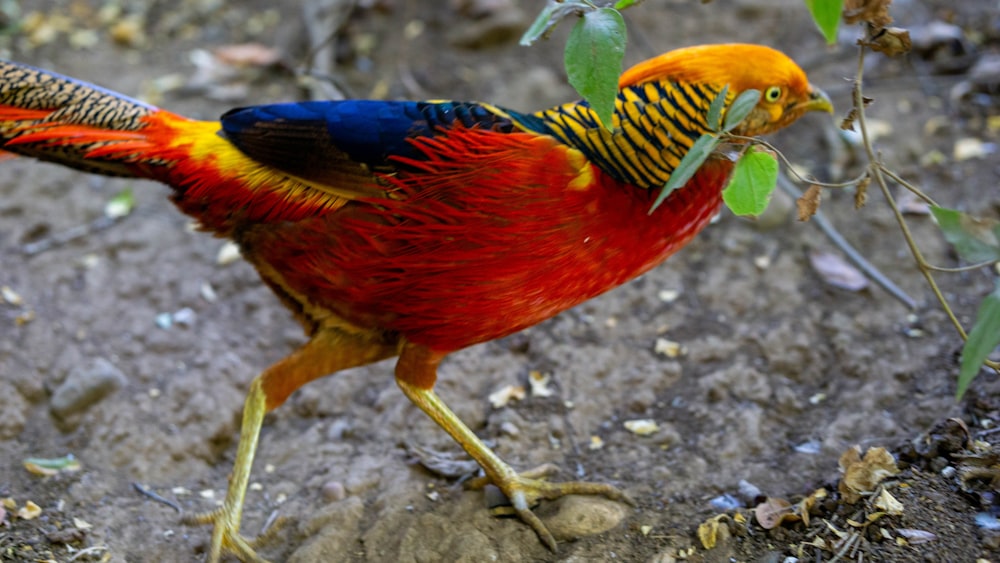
(788, 164)
(877, 173)
(916, 191)
(149, 493)
(961, 269)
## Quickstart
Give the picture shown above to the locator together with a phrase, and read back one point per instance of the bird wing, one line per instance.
(338, 145)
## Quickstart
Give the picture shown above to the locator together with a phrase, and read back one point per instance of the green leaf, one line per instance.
(622, 4)
(740, 109)
(120, 205)
(51, 466)
(975, 240)
(754, 179)
(594, 53)
(826, 14)
(715, 110)
(542, 23)
(983, 339)
(686, 168)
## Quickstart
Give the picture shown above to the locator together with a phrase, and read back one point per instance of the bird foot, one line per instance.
(524, 490)
(226, 536)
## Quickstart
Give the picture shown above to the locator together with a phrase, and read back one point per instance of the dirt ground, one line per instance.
(780, 372)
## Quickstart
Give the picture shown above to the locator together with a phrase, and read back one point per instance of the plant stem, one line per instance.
(876, 169)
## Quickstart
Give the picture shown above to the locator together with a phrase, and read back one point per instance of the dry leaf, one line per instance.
(889, 504)
(916, 537)
(875, 12)
(29, 511)
(847, 124)
(506, 394)
(596, 443)
(836, 532)
(810, 502)
(247, 54)
(970, 147)
(82, 524)
(861, 192)
(862, 475)
(772, 512)
(668, 348)
(836, 271)
(874, 516)
(891, 41)
(713, 531)
(808, 204)
(539, 384)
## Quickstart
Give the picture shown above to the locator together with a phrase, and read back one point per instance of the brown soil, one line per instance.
(780, 375)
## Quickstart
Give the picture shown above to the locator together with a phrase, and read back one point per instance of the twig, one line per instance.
(876, 169)
(852, 254)
(916, 191)
(323, 19)
(791, 169)
(157, 497)
(960, 269)
(92, 550)
(69, 235)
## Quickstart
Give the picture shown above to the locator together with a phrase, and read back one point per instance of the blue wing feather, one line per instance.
(319, 140)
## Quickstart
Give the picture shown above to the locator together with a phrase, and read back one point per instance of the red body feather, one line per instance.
(448, 266)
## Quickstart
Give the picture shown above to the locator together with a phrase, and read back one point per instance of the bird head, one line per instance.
(785, 92)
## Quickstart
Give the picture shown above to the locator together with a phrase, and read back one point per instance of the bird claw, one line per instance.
(523, 491)
(226, 536)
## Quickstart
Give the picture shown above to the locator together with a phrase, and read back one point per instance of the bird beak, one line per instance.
(817, 101)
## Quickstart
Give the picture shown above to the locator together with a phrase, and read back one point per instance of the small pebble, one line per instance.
(811, 447)
(333, 491)
(725, 503)
(749, 492)
(10, 296)
(185, 317)
(539, 383)
(596, 443)
(208, 293)
(85, 386)
(668, 348)
(577, 516)
(987, 521)
(228, 254)
(164, 320)
(668, 295)
(642, 427)
(508, 428)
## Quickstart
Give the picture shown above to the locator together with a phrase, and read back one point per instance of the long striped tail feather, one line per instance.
(58, 119)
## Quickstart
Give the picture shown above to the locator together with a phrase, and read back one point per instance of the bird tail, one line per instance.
(58, 119)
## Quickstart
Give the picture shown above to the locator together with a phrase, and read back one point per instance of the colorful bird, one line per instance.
(415, 229)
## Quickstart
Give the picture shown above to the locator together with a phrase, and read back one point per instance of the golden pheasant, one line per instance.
(415, 229)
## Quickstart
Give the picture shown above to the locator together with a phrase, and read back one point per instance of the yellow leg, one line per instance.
(328, 351)
(416, 373)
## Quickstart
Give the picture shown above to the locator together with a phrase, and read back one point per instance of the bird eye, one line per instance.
(772, 94)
